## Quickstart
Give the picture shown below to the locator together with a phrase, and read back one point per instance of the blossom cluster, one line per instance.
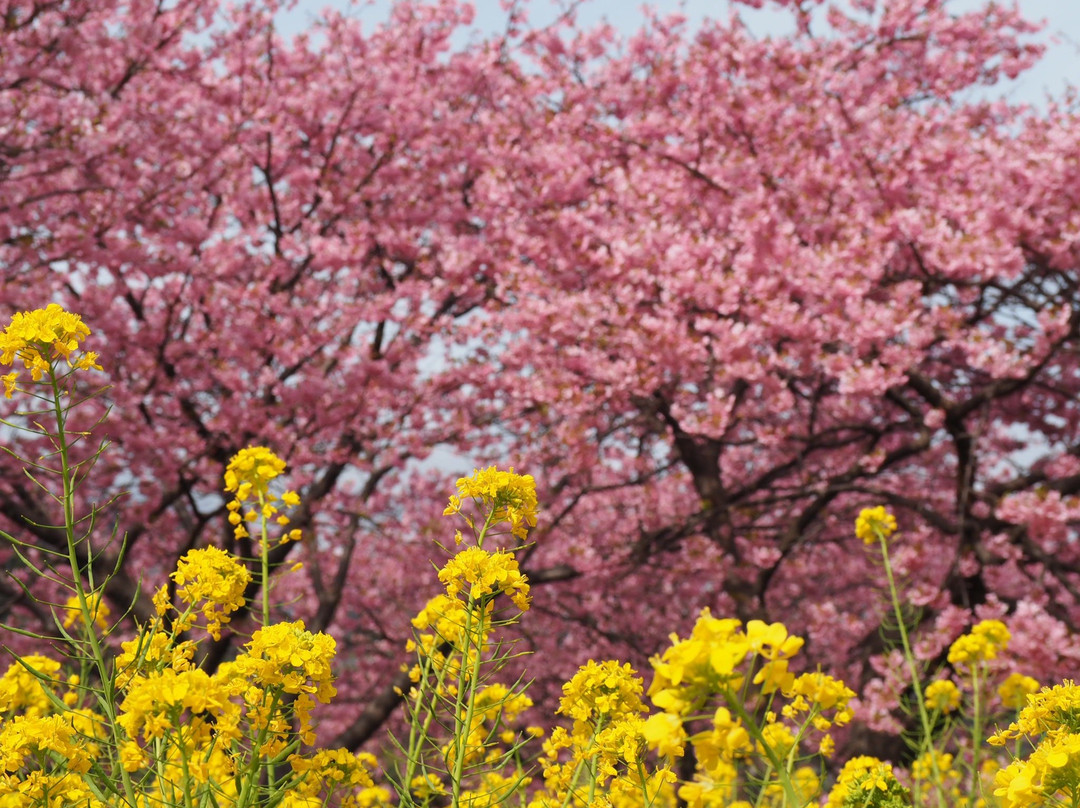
(458, 651)
(247, 478)
(39, 339)
(213, 580)
(607, 740)
(985, 641)
(503, 495)
(1050, 774)
(738, 678)
(874, 524)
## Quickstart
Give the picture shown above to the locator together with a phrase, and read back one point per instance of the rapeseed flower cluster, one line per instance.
(1052, 710)
(866, 782)
(458, 654)
(454, 629)
(986, 640)
(725, 741)
(27, 684)
(63, 788)
(169, 733)
(504, 496)
(749, 712)
(713, 661)
(289, 656)
(1050, 775)
(938, 771)
(874, 524)
(607, 746)
(43, 759)
(176, 720)
(96, 607)
(601, 693)
(943, 696)
(822, 697)
(688, 673)
(248, 477)
(154, 705)
(41, 338)
(330, 777)
(213, 581)
(443, 628)
(483, 575)
(150, 652)
(284, 659)
(51, 736)
(1014, 691)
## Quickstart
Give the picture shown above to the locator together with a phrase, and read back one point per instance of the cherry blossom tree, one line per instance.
(715, 292)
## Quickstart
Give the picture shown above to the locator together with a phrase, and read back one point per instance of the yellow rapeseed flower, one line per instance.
(27, 737)
(772, 641)
(1052, 709)
(873, 523)
(727, 740)
(664, 732)
(247, 478)
(778, 737)
(132, 756)
(286, 655)
(606, 689)
(1049, 776)
(691, 670)
(251, 470)
(984, 642)
(149, 653)
(99, 611)
(214, 578)
(866, 782)
(41, 337)
(1015, 690)
(329, 773)
(482, 575)
(824, 695)
(21, 686)
(511, 496)
(153, 703)
(942, 696)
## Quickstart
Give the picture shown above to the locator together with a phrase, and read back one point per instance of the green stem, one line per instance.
(976, 726)
(913, 668)
(571, 787)
(420, 728)
(251, 776)
(67, 477)
(474, 639)
(735, 703)
(264, 559)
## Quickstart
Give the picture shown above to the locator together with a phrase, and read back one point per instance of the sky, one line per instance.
(1058, 67)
